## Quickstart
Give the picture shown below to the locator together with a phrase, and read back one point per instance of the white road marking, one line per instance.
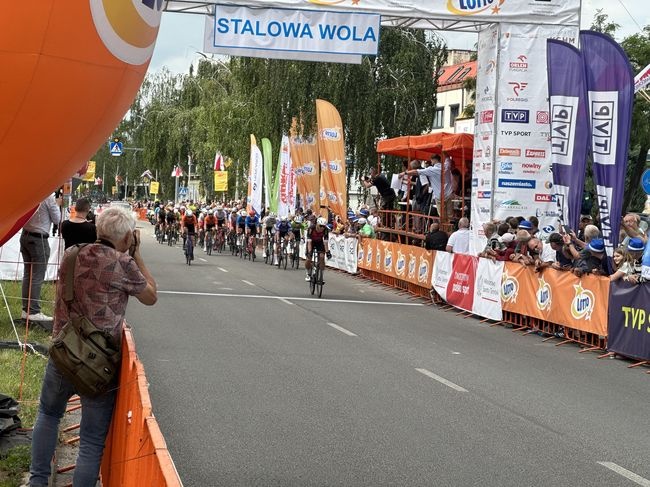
(286, 301)
(247, 282)
(637, 479)
(455, 353)
(226, 288)
(442, 380)
(342, 330)
(202, 259)
(222, 269)
(216, 282)
(291, 298)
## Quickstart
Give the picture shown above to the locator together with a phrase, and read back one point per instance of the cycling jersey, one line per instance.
(161, 216)
(190, 223)
(171, 218)
(251, 223)
(317, 238)
(282, 228)
(241, 221)
(210, 221)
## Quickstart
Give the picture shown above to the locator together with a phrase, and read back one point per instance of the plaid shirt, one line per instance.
(103, 281)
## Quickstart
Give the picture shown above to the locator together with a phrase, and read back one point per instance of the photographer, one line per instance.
(106, 273)
(383, 188)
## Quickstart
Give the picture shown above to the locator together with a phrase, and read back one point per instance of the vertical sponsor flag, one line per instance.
(269, 196)
(255, 169)
(331, 147)
(304, 157)
(285, 180)
(610, 87)
(569, 128)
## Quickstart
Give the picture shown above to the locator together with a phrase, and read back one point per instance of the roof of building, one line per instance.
(452, 77)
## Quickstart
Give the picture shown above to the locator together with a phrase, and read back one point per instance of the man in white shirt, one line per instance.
(459, 240)
(543, 253)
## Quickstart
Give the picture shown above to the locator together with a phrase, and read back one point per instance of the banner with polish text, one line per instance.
(255, 170)
(331, 148)
(304, 159)
(629, 320)
(569, 128)
(285, 186)
(610, 87)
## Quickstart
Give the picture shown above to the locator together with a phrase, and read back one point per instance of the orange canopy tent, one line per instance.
(401, 147)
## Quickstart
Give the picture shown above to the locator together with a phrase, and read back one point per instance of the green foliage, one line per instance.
(216, 107)
(13, 465)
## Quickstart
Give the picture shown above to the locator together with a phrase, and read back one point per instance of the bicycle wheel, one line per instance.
(208, 245)
(319, 282)
(285, 257)
(312, 281)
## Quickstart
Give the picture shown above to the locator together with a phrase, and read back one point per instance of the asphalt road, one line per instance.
(254, 383)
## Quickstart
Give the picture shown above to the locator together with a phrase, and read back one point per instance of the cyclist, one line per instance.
(252, 221)
(282, 232)
(296, 227)
(317, 240)
(220, 216)
(209, 222)
(189, 226)
(161, 219)
(241, 227)
(268, 222)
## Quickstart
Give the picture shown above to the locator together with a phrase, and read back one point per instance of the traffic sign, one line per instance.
(182, 191)
(115, 148)
(645, 181)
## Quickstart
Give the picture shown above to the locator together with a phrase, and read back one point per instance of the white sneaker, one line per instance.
(40, 317)
(307, 277)
(263, 255)
(23, 315)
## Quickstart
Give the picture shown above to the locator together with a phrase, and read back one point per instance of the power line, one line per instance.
(628, 12)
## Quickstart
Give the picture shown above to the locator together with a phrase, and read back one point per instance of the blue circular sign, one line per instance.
(645, 181)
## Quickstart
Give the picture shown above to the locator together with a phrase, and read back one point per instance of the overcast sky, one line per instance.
(181, 35)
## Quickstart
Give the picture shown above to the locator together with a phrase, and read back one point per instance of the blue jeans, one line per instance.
(96, 415)
(36, 254)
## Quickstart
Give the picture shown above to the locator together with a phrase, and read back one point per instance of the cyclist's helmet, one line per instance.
(252, 213)
(298, 219)
(188, 213)
(283, 219)
(321, 221)
(210, 212)
(242, 212)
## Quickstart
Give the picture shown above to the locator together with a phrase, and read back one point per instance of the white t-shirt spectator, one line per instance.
(547, 254)
(459, 241)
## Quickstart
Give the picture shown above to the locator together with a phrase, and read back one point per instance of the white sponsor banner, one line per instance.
(344, 253)
(441, 273)
(483, 169)
(487, 290)
(461, 14)
(255, 171)
(642, 79)
(288, 32)
(11, 260)
(523, 183)
(603, 110)
(286, 185)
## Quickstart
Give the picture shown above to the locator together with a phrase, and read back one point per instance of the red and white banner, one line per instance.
(286, 186)
(642, 79)
(218, 162)
(460, 288)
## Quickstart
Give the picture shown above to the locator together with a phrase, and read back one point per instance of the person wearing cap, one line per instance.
(595, 262)
(365, 229)
(508, 244)
(635, 248)
(526, 225)
(584, 221)
(631, 228)
(493, 243)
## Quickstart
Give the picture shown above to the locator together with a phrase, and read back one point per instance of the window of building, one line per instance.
(439, 118)
(453, 114)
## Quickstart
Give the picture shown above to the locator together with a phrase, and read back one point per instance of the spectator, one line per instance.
(78, 229)
(502, 229)
(584, 221)
(436, 239)
(493, 243)
(563, 259)
(635, 248)
(543, 254)
(520, 253)
(105, 276)
(373, 218)
(594, 262)
(514, 223)
(379, 181)
(527, 226)
(534, 221)
(631, 228)
(35, 250)
(623, 266)
(365, 229)
(458, 242)
(508, 245)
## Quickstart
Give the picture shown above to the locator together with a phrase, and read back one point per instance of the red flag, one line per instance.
(218, 162)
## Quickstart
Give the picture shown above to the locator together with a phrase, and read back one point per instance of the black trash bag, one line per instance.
(11, 432)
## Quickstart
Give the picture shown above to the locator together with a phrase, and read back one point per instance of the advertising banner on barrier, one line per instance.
(344, 253)
(441, 275)
(558, 297)
(460, 288)
(610, 87)
(569, 128)
(629, 320)
(405, 262)
(487, 291)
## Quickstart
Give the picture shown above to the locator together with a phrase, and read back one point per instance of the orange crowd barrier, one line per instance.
(136, 453)
(142, 214)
